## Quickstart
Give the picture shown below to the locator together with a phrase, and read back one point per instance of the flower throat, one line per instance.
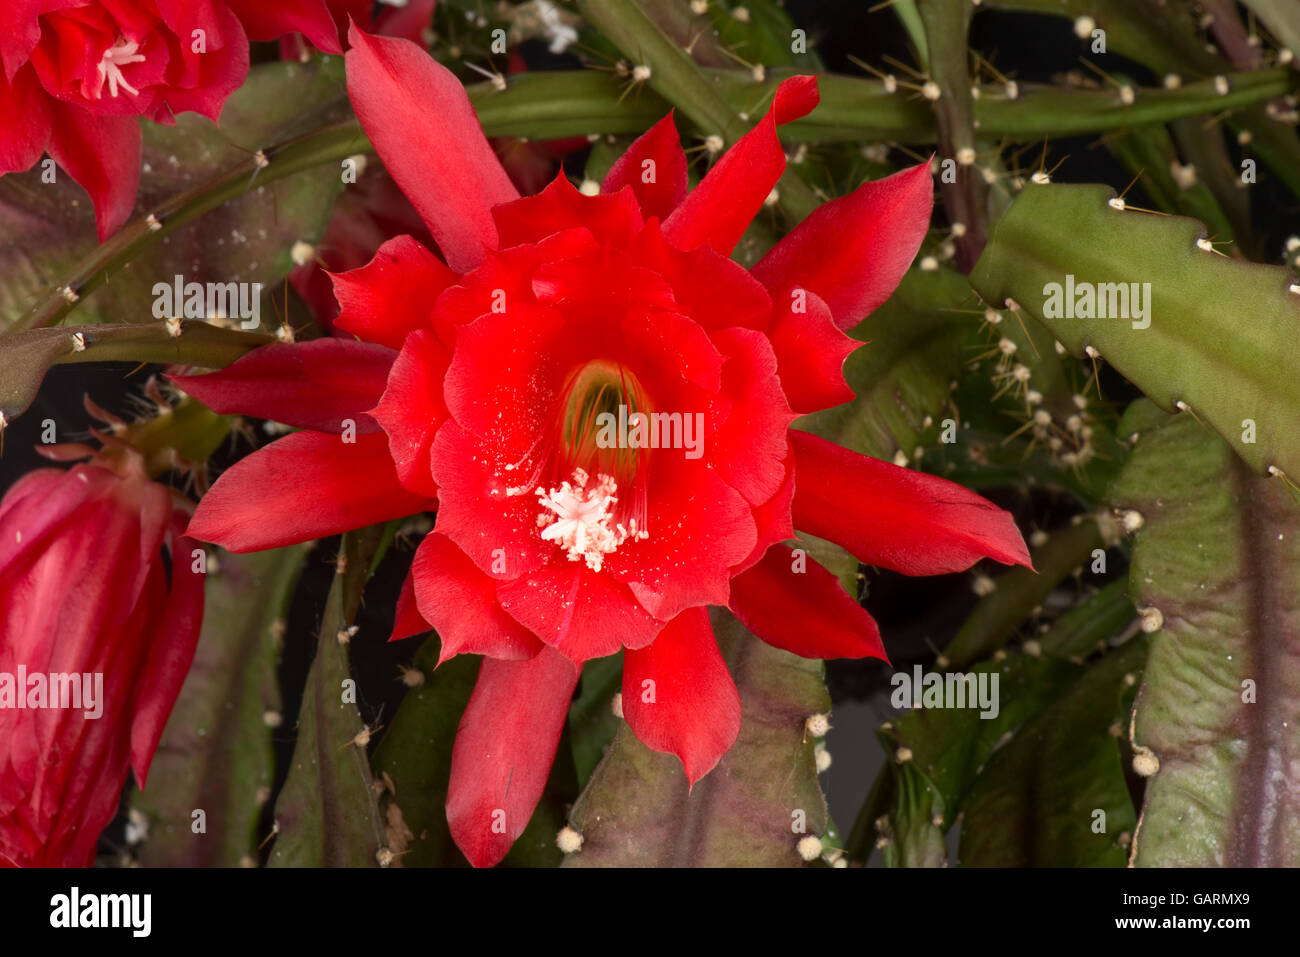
(593, 492)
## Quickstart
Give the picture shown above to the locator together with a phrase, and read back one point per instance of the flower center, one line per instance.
(110, 66)
(580, 519)
(590, 519)
(600, 400)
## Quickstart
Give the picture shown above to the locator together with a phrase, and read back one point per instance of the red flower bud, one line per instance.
(101, 598)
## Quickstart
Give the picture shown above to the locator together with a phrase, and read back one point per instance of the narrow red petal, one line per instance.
(504, 750)
(318, 385)
(171, 653)
(460, 602)
(894, 517)
(721, 207)
(795, 604)
(655, 167)
(422, 125)
(304, 486)
(796, 97)
(853, 251)
(679, 697)
(102, 153)
(393, 294)
(43, 506)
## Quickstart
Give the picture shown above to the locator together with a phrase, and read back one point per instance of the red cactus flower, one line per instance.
(118, 644)
(555, 317)
(77, 74)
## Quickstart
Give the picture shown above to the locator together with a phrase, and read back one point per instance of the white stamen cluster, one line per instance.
(578, 519)
(111, 63)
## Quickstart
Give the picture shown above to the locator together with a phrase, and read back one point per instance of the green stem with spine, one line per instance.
(560, 104)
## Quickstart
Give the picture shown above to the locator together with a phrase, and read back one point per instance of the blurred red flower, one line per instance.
(78, 73)
(408, 19)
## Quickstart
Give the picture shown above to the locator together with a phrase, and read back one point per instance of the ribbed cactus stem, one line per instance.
(965, 197)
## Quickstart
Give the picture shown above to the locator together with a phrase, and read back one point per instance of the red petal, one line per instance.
(421, 123)
(578, 612)
(171, 652)
(657, 156)
(270, 21)
(24, 121)
(504, 750)
(407, 620)
(412, 409)
(748, 446)
(721, 208)
(631, 314)
(307, 385)
(42, 504)
(107, 624)
(893, 517)
(699, 528)
(693, 707)
(503, 279)
(796, 97)
(202, 82)
(304, 486)
(613, 219)
(810, 352)
(460, 602)
(102, 153)
(853, 251)
(506, 374)
(393, 294)
(709, 288)
(474, 510)
(804, 612)
(20, 31)
(772, 519)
